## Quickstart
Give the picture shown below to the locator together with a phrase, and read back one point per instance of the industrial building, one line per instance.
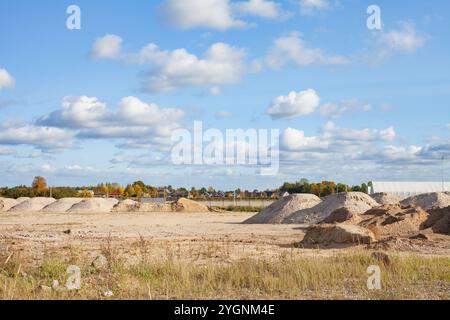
(408, 188)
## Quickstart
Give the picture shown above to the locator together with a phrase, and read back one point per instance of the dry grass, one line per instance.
(285, 277)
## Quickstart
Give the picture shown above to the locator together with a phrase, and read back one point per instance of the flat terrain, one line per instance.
(187, 241)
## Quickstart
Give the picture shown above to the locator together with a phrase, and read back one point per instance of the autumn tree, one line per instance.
(39, 185)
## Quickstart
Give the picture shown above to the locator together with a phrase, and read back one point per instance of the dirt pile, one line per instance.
(94, 205)
(128, 206)
(337, 233)
(32, 205)
(186, 205)
(386, 198)
(7, 203)
(394, 220)
(61, 205)
(356, 202)
(279, 210)
(342, 215)
(438, 221)
(428, 201)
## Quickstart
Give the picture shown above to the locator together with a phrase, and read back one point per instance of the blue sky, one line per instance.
(352, 104)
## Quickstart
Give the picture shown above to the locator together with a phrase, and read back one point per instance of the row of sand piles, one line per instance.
(7, 203)
(32, 205)
(182, 205)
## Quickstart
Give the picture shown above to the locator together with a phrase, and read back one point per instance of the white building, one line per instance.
(408, 188)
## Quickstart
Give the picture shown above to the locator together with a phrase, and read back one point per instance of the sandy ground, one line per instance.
(217, 236)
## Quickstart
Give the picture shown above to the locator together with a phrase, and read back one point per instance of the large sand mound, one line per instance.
(134, 206)
(94, 205)
(428, 201)
(356, 202)
(32, 205)
(339, 233)
(61, 205)
(386, 198)
(186, 205)
(438, 221)
(394, 220)
(7, 203)
(278, 211)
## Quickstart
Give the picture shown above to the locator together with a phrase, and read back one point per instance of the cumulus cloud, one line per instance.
(45, 138)
(107, 47)
(215, 14)
(139, 122)
(221, 64)
(295, 104)
(404, 40)
(223, 114)
(308, 7)
(292, 48)
(334, 110)
(261, 8)
(6, 79)
(6, 151)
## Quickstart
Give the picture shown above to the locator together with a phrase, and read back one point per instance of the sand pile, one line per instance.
(7, 203)
(128, 206)
(386, 198)
(61, 205)
(186, 205)
(342, 215)
(279, 210)
(94, 205)
(438, 221)
(356, 202)
(337, 233)
(394, 220)
(428, 201)
(32, 205)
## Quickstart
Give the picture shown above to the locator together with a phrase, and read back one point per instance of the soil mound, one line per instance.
(61, 205)
(7, 203)
(32, 205)
(428, 201)
(338, 233)
(94, 205)
(394, 220)
(438, 221)
(342, 215)
(279, 210)
(386, 198)
(129, 206)
(186, 205)
(356, 202)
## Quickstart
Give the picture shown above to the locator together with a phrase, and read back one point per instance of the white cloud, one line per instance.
(295, 104)
(142, 123)
(6, 151)
(293, 48)
(335, 110)
(45, 138)
(448, 126)
(107, 47)
(294, 139)
(260, 8)
(405, 40)
(215, 91)
(223, 114)
(6, 80)
(47, 168)
(308, 7)
(215, 14)
(221, 64)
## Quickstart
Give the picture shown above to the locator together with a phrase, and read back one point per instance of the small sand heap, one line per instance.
(342, 215)
(394, 220)
(356, 202)
(428, 201)
(279, 210)
(61, 205)
(386, 198)
(94, 205)
(438, 221)
(32, 205)
(337, 233)
(7, 203)
(186, 205)
(127, 205)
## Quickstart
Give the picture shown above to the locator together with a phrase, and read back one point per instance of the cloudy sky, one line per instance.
(100, 103)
